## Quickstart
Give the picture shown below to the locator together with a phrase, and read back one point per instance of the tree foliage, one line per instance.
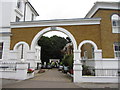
(51, 47)
(68, 61)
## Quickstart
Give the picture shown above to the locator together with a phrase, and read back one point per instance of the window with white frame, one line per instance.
(117, 49)
(115, 23)
(1, 50)
(32, 18)
(18, 4)
(17, 19)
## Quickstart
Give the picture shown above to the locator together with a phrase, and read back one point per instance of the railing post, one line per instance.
(21, 71)
(98, 54)
(77, 66)
(31, 59)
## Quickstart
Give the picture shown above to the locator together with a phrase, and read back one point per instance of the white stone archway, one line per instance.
(98, 52)
(77, 65)
(37, 37)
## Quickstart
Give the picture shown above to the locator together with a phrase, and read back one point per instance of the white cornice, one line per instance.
(102, 5)
(59, 22)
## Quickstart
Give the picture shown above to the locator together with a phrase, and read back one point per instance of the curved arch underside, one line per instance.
(37, 37)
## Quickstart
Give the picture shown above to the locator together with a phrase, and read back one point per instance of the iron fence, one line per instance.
(100, 72)
(107, 72)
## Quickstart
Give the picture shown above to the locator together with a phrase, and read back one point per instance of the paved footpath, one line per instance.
(50, 79)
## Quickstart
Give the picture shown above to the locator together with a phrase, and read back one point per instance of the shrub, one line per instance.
(61, 63)
(86, 70)
(68, 61)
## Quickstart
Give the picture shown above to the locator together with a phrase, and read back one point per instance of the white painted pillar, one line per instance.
(31, 58)
(98, 54)
(98, 63)
(37, 55)
(21, 72)
(77, 66)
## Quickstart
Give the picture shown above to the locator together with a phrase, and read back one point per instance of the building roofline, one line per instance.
(102, 5)
(32, 8)
(56, 22)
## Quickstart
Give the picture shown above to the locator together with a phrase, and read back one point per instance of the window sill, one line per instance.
(116, 32)
(117, 58)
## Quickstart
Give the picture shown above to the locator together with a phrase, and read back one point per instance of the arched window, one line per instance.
(115, 23)
(117, 49)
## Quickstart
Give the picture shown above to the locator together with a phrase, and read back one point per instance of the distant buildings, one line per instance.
(68, 49)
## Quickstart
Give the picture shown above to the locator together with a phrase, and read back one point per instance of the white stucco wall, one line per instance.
(6, 13)
(9, 11)
(28, 14)
(6, 45)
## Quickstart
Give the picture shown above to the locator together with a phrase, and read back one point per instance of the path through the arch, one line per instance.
(53, 75)
(50, 79)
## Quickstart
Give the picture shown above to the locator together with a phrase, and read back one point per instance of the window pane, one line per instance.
(17, 19)
(1, 50)
(18, 4)
(118, 54)
(114, 23)
(118, 23)
(116, 48)
(1, 46)
(32, 17)
(119, 48)
(0, 55)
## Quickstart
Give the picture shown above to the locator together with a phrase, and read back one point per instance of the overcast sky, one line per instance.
(63, 9)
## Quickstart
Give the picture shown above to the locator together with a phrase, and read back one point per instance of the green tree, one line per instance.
(58, 44)
(45, 43)
(68, 61)
(51, 47)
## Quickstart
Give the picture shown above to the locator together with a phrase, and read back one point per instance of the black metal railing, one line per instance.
(88, 71)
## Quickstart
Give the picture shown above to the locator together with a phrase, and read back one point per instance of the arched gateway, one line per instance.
(96, 30)
(39, 34)
(30, 33)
